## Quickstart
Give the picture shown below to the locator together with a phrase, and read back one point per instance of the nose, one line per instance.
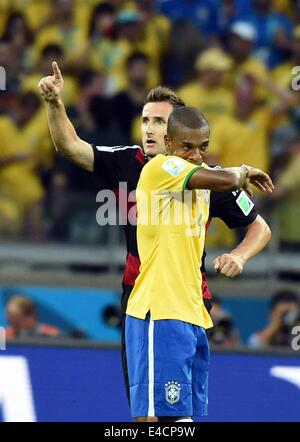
(196, 156)
(149, 129)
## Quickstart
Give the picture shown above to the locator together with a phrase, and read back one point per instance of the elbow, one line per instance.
(262, 230)
(65, 148)
(266, 229)
(268, 234)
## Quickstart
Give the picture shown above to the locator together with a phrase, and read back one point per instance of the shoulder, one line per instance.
(168, 166)
(171, 164)
(48, 330)
(120, 153)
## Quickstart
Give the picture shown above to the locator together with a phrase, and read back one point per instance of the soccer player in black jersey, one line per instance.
(124, 164)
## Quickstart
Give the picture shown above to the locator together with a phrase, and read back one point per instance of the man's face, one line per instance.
(15, 316)
(154, 127)
(211, 77)
(189, 144)
(18, 319)
(245, 97)
(239, 47)
(138, 73)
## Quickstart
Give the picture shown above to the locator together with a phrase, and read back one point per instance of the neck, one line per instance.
(137, 93)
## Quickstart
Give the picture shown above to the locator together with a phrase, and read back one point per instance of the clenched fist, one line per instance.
(51, 87)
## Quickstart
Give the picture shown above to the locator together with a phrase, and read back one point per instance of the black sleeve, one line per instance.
(235, 208)
(113, 164)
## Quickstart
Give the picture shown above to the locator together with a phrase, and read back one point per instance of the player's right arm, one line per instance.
(222, 180)
(64, 136)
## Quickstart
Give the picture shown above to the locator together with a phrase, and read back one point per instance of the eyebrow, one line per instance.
(191, 146)
(155, 118)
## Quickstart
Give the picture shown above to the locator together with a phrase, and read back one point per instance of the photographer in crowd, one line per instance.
(284, 315)
(224, 332)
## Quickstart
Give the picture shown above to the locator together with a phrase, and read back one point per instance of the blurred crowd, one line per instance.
(27, 318)
(236, 60)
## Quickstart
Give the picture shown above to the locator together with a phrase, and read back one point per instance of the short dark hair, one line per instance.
(136, 56)
(51, 49)
(284, 296)
(163, 94)
(185, 117)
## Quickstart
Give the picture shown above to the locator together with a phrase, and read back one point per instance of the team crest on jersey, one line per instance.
(174, 166)
(172, 392)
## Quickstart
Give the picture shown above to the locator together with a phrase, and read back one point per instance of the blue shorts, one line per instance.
(167, 367)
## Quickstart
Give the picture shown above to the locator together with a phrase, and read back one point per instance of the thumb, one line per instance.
(248, 190)
(216, 264)
(56, 71)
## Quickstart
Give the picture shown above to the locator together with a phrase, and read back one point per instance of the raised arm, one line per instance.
(64, 136)
(223, 180)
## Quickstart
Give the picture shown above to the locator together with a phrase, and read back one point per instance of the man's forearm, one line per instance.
(257, 236)
(65, 138)
(61, 129)
(220, 180)
(240, 174)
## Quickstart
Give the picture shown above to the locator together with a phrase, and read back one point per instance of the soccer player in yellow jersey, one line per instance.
(166, 344)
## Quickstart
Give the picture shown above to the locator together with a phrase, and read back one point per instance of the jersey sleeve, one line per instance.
(235, 208)
(113, 164)
(170, 173)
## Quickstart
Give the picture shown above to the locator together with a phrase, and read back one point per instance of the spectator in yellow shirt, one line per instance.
(22, 143)
(63, 29)
(243, 137)
(155, 23)
(134, 37)
(283, 74)
(240, 46)
(208, 93)
(17, 32)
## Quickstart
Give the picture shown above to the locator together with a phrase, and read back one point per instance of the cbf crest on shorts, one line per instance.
(172, 392)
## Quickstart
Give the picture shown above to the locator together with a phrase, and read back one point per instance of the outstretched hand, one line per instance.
(51, 87)
(259, 179)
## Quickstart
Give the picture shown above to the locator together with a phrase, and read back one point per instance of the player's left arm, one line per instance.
(258, 234)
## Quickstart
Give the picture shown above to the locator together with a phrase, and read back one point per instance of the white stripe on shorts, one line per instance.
(151, 369)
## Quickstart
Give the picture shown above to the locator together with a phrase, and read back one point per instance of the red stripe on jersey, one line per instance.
(140, 156)
(132, 269)
(205, 290)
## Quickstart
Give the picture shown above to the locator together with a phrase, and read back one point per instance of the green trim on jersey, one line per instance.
(188, 177)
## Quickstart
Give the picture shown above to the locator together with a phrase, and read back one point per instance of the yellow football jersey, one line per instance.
(170, 237)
